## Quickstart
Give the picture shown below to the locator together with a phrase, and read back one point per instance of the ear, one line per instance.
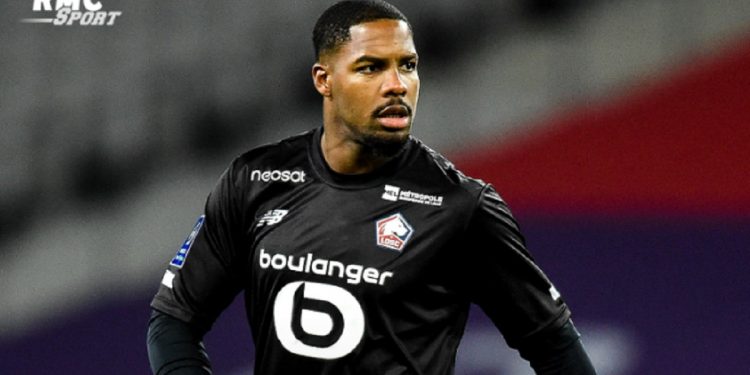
(321, 76)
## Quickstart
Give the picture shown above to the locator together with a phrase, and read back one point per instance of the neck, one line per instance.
(346, 156)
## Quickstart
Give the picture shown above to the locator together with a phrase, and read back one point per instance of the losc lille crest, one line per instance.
(393, 232)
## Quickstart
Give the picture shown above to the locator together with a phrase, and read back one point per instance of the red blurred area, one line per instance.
(678, 145)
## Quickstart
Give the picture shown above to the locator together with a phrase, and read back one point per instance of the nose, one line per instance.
(394, 84)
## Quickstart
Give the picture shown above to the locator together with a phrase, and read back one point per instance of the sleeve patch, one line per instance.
(554, 293)
(179, 258)
(168, 279)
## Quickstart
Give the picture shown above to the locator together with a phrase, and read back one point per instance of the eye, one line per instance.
(410, 66)
(367, 69)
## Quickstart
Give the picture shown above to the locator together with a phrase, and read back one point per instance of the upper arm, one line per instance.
(502, 277)
(207, 277)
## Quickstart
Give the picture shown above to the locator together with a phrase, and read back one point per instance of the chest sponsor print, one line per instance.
(394, 194)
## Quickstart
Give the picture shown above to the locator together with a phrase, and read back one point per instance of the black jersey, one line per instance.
(357, 274)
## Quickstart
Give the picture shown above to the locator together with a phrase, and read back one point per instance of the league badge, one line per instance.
(393, 232)
(182, 253)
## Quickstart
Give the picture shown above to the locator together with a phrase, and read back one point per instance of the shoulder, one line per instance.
(480, 196)
(442, 171)
(279, 153)
(282, 161)
(271, 160)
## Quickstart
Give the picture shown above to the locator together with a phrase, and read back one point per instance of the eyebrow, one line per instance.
(373, 59)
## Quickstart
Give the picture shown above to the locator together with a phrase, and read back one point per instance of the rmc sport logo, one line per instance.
(68, 13)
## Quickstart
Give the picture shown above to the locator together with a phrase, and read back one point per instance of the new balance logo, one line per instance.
(272, 217)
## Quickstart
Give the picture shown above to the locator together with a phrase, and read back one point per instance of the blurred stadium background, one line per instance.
(618, 131)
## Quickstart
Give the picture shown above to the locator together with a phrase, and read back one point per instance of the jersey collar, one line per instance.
(357, 181)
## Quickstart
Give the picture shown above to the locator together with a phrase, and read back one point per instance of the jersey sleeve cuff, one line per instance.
(554, 324)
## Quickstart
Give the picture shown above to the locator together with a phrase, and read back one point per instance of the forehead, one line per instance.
(381, 38)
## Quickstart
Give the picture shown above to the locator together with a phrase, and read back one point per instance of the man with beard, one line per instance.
(359, 249)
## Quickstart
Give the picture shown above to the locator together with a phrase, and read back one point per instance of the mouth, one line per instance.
(394, 116)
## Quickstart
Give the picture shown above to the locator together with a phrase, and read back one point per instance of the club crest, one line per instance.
(393, 232)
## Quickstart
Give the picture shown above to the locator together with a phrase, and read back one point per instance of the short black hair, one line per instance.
(332, 28)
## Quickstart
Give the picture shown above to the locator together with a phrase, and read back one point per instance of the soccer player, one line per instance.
(358, 248)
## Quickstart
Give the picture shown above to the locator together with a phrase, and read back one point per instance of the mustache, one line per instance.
(394, 101)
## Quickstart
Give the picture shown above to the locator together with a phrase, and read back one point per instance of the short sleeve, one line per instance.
(205, 275)
(502, 278)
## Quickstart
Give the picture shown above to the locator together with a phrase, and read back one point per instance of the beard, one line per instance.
(386, 143)
(382, 145)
